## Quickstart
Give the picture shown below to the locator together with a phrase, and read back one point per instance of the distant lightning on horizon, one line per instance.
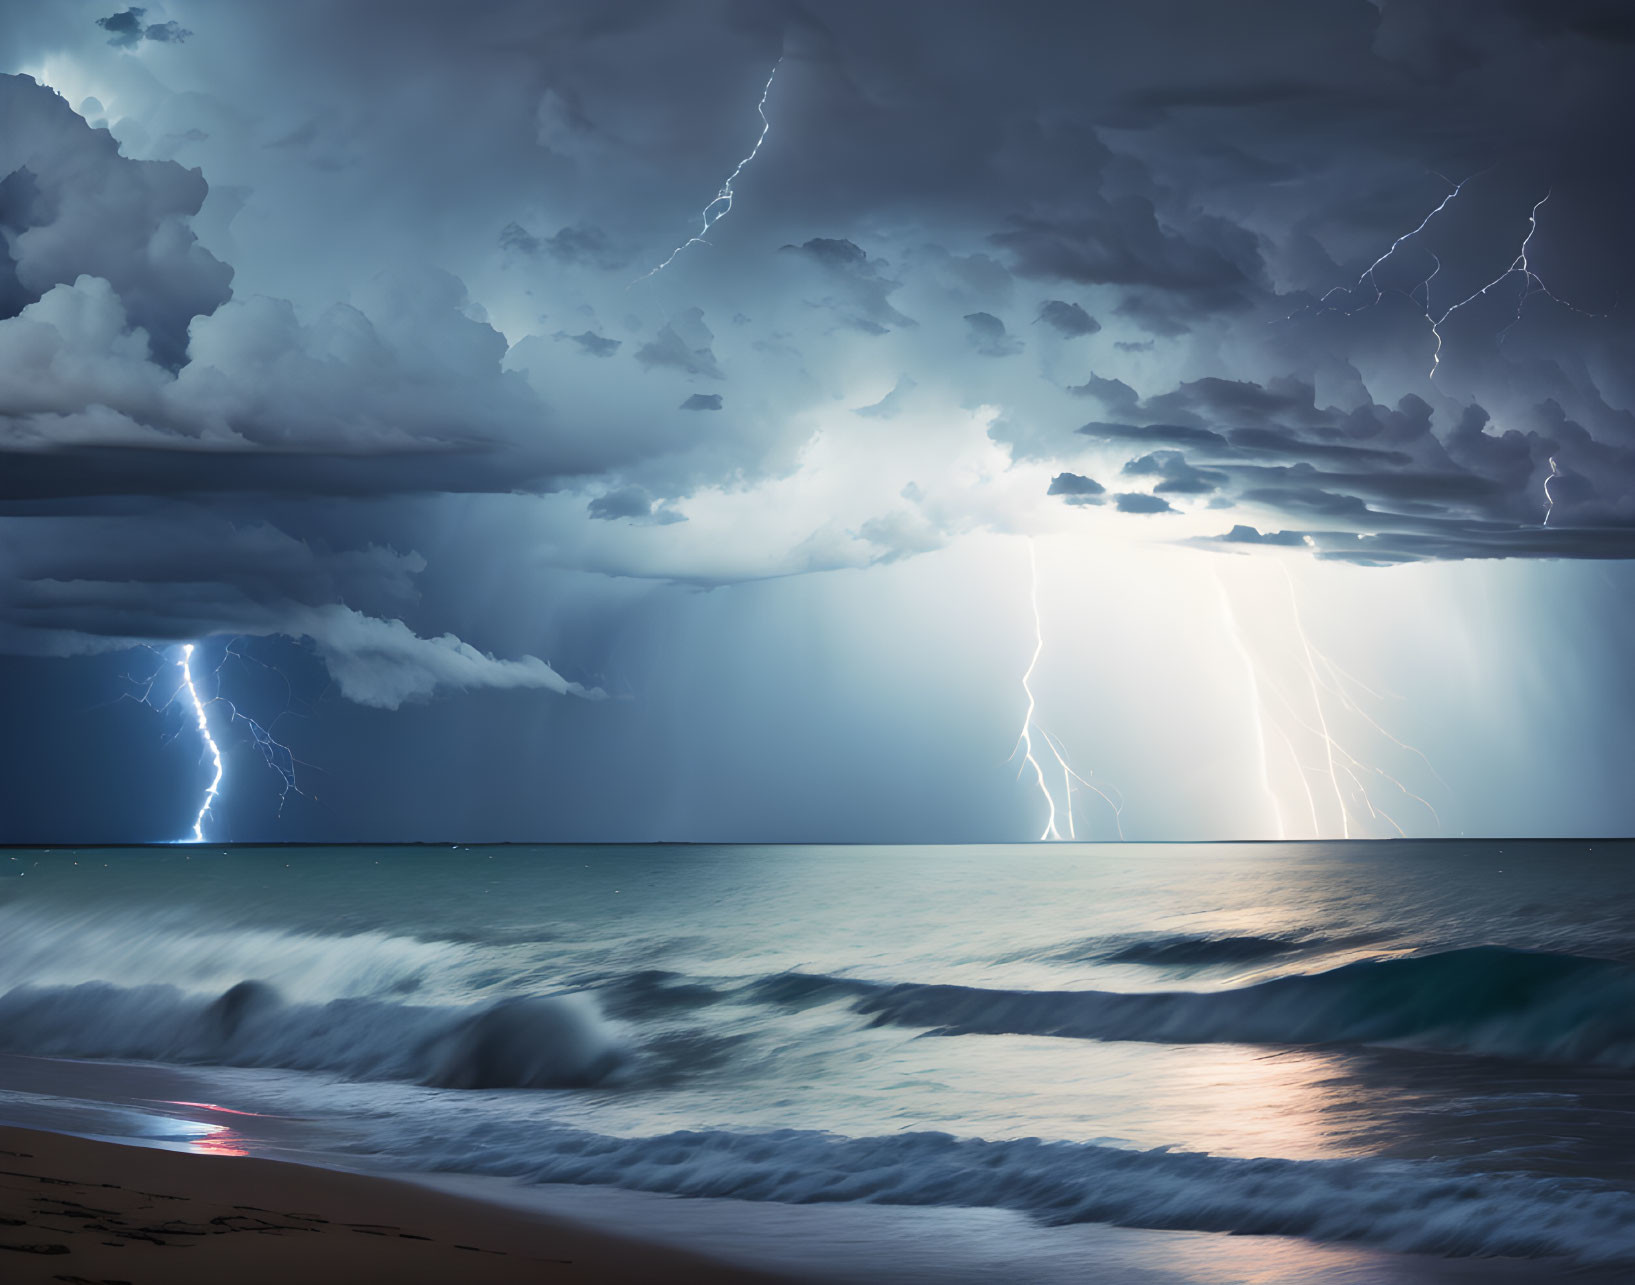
(721, 206)
(186, 664)
(1325, 693)
(1025, 742)
(274, 753)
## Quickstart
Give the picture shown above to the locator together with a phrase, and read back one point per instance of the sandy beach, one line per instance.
(79, 1211)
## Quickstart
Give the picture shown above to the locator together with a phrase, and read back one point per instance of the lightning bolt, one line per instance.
(186, 664)
(1521, 265)
(1052, 744)
(274, 753)
(1259, 708)
(1328, 693)
(1317, 702)
(1531, 284)
(721, 206)
(1373, 281)
(1549, 499)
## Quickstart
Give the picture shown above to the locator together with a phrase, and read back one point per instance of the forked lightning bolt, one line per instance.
(1521, 265)
(1368, 273)
(276, 755)
(1025, 742)
(1259, 707)
(210, 745)
(1531, 284)
(721, 206)
(1328, 693)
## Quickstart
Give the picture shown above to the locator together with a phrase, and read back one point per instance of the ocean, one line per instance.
(1363, 1061)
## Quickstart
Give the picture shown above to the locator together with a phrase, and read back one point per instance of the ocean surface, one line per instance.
(1370, 1061)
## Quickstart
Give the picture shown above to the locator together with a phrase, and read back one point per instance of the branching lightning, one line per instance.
(1052, 744)
(1373, 281)
(1260, 712)
(210, 745)
(1420, 294)
(721, 206)
(276, 754)
(1311, 709)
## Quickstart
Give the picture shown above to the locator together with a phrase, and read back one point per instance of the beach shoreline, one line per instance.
(76, 1209)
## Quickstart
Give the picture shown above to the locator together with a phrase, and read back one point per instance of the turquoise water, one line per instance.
(1410, 1047)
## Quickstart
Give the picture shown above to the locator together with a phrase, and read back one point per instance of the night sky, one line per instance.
(331, 343)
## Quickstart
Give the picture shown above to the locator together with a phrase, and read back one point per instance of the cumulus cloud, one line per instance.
(72, 206)
(1075, 488)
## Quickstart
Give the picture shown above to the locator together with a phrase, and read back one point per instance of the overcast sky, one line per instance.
(1263, 375)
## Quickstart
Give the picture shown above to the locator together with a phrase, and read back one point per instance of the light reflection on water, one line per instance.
(675, 960)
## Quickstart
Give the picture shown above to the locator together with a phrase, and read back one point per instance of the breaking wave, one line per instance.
(554, 1041)
(1486, 1000)
(1409, 1206)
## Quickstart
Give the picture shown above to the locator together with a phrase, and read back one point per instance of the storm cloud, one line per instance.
(347, 338)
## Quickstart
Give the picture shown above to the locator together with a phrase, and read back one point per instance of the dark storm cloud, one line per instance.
(1414, 481)
(1148, 435)
(1069, 318)
(1242, 534)
(127, 29)
(81, 584)
(1124, 243)
(1195, 181)
(1175, 475)
(407, 397)
(702, 401)
(70, 204)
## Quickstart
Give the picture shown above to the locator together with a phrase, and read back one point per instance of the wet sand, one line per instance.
(80, 1211)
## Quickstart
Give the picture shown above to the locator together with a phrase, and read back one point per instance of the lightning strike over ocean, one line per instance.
(1313, 698)
(1025, 743)
(274, 752)
(188, 685)
(631, 666)
(721, 206)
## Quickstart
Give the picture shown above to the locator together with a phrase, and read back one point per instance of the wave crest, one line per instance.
(1407, 1206)
(1488, 1000)
(554, 1041)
